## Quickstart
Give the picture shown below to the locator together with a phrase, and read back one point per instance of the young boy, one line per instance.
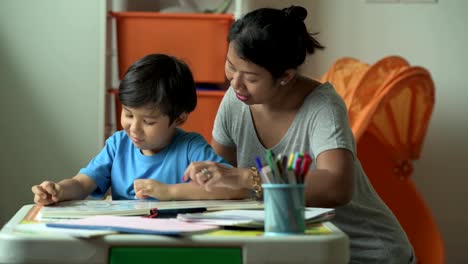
(148, 158)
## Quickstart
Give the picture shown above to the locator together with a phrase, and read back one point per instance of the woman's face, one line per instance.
(251, 83)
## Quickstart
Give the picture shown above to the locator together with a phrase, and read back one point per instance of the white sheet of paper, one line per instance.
(253, 218)
(41, 228)
(134, 224)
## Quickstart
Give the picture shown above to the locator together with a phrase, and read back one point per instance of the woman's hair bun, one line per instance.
(297, 12)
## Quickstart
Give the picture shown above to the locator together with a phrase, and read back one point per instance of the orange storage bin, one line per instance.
(117, 106)
(201, 120)
(198, 39)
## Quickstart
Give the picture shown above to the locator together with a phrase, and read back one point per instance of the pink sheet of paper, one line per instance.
(135, 224)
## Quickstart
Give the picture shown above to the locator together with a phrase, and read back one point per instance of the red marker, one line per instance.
(307, 161)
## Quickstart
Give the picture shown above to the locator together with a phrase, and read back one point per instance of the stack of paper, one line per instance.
(135, 225)
(84, 208)
(250, 218)
(42, 229)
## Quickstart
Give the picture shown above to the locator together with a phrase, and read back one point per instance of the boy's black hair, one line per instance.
(161, 81)
(274, 39)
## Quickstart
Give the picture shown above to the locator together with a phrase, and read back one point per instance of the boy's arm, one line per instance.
(77, 188)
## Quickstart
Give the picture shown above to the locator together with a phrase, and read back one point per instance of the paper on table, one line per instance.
(250, 218)
(41, 228)
(83, 208)
(133, 224)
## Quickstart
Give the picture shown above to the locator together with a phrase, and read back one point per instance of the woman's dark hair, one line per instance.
(161, 81)
(274, 39)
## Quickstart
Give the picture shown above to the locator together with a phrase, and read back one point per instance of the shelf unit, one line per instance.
(200, 40)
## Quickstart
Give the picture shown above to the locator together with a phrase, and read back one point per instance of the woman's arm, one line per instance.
(145, 188)
(331, 184)
(228, 153)
(211, 175)
(194, 191)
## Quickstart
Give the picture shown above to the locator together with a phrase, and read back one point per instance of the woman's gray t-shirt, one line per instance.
(322, 124)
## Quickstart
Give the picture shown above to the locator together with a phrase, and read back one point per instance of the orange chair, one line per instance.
(390, 104)
(201, 120)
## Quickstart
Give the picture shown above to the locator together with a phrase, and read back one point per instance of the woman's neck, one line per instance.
(289, 97)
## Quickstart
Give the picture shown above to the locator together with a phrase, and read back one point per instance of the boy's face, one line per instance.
(148, 129)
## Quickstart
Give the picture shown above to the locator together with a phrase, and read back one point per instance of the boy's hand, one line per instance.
(145, 188)
(47, 192)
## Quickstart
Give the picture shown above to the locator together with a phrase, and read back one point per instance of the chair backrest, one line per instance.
(343, 75)
(390, 104)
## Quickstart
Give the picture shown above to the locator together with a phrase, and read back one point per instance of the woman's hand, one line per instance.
(47, 192)
(145, 188)
(211, 174)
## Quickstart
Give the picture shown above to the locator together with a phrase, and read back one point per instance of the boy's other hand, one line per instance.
(47, 192)
(145, 188)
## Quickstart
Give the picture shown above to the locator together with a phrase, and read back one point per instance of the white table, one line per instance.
(236, 247)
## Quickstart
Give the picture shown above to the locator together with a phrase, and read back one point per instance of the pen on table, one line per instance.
(296, 156)
(306, 165)
(164, 213)
(268, 174)
(291, 177)
(278, 164)
(297, 167)
(259, 165)
(284, 167)
(271, 162)
(291, 161)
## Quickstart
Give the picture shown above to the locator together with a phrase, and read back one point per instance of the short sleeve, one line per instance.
(99, 168)
(223, 125)
(331, 130)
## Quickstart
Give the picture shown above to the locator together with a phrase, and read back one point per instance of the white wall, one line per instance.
(52, 93)
(434, 36)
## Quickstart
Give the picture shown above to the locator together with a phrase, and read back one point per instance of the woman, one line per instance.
(270, 106)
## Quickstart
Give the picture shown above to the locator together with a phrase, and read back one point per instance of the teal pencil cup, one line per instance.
(284, 209)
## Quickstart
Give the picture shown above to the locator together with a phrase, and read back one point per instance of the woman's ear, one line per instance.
(181, 119)
(287, 76)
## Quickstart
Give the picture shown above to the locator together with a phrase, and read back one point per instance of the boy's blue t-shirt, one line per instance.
(120, 163)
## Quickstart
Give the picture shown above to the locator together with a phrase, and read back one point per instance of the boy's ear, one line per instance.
(181, 119)
(287, 76)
